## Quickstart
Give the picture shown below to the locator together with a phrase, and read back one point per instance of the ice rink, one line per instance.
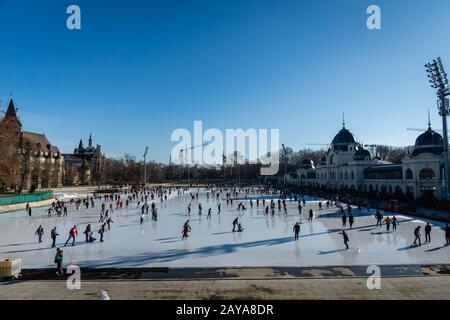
(265, 241)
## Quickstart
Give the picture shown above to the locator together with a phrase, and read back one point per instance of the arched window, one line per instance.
(352, 176)
(409, 174)
(340, 176)
(331, 159)
(426, 174)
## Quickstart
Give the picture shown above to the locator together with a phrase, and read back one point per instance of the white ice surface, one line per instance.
(266, 241)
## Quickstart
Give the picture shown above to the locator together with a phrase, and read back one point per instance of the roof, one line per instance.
(384, 168)
(429, 142)
(11, 112)
(344, 136)
(35, 138)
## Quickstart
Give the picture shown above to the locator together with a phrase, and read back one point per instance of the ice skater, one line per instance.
(102, 231)
(428, 233)
(186, 230)
(417, 235)
(395, 223)
(388, 222)
(235, 223)
(87, 232)
(108, 222)
(351, 220)
(209, 214)
(296, 230)
(346, 240)
(72, 234)
(39, 232)
(53, 235)
(311, 215)
(59, 261)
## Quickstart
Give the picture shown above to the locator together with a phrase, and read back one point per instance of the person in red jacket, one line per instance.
(72, 234)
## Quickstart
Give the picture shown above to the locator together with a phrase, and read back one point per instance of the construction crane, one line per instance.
(422, 130)
(186, 150)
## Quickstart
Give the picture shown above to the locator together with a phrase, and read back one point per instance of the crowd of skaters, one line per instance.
(145, 201)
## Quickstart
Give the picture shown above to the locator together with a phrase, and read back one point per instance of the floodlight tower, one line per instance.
(439, 81)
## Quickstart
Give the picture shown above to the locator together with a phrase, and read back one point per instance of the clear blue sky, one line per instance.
(140, 69)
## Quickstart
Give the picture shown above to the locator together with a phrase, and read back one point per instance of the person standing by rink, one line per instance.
(428, 233)
(53, 235)
(39, 232)
(72, 234)
(296, 230)
(59, 261)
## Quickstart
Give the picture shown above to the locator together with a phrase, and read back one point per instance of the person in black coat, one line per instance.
(53, 235)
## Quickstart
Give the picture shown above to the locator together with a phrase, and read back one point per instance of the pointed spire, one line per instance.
(90, 140)
(429, 121)
(80, 146)
(343, 120)
(11, 111)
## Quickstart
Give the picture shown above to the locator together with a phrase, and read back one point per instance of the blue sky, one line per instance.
(140, 69)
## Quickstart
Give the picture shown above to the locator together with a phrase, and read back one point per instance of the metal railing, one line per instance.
(25, 198)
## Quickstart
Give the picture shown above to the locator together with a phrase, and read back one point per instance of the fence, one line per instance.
(25, 198)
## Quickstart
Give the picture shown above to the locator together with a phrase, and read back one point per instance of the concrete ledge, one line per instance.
(22, 206)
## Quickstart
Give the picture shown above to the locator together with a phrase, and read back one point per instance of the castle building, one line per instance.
(84, 165)
(34, 163)
(348, 165)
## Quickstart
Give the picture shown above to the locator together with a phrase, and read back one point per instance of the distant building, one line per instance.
(84, 165)
(348, 165)
(34, 162)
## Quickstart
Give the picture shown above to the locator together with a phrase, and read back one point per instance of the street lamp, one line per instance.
(439, 81)
(145, 166)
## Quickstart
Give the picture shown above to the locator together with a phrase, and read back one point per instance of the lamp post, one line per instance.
(439, 81)
(145, 166)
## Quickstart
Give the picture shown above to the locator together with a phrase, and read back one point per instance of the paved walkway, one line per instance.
(411, 288)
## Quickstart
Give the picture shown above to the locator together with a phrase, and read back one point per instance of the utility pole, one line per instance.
(439, 81)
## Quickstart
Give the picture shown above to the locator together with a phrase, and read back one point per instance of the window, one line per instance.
(426, 174)
(409, 174)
